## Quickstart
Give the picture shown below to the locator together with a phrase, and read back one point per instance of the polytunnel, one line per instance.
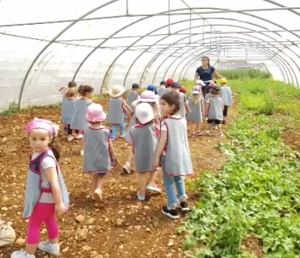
(45, 44)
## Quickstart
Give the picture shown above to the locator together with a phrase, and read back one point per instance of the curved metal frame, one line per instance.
(251, 36)
(273, 58)
(202, 8)
(167, 47)
(52, 41)
(281, 67)
(146, 17)
(205, 52)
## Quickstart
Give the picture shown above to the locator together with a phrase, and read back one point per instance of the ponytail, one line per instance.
(54, 146)
(196, 98)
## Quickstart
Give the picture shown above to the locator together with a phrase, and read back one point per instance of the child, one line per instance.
(118, 109)
(68, 110)
(183, 90)
(153, 88)
(71, 84)
(214, 112)
(196, 105)
(46, 192)
(143, 138)
(169, 83)
(99, 155)
(146, 97)
(184, 104)
(226, 97)
(133, 95)
(78, 121)
(176, 159)
(162, 88)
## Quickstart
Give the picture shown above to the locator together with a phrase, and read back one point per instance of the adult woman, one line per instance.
(205, 72)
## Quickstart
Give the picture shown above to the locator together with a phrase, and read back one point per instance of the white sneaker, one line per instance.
(70, 138)
(221, 135)
(21, 254)
(49, 248)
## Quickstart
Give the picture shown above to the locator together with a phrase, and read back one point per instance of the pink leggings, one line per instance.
(43, 213)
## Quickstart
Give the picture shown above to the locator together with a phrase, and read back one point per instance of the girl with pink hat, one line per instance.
(46, 192)
(99, 155)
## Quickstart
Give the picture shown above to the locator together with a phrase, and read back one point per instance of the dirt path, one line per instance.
(120, 226)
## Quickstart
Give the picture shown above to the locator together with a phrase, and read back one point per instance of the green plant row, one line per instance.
(238, 74)
(256, 194)
(268, 97)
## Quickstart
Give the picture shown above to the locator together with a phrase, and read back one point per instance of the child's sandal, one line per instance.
(199, 133)
(192, 135)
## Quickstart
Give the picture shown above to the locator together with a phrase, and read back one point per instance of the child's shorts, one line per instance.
(216, 122)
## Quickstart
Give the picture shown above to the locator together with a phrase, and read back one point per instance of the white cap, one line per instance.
(144, 113)
(148, 96)
(200, 82)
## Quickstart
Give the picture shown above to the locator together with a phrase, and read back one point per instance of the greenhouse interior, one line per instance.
(150, 129)
(103, 43)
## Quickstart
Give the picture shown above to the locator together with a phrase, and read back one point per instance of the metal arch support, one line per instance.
(207, 51)
(197, 34)
(258, 46)
(52, 41)
(150, 16)
(216, 18)
(277, 61)
(251, 36)
(264, 50)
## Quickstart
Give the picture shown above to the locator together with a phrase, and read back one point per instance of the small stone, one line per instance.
(94, 253)
(86, 248)
(79, 218)
(119, 222)
(171, 242)
(90, 221)
(137, 227)
(4, 208)
(148, 229)
(121, 246)
(5, 198)
(65, 249)
(20, 241)
(81, 233)
(147, 208)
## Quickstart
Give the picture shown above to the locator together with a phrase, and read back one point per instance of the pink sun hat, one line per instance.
(95, 113)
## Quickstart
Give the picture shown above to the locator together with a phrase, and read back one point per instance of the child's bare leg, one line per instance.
(193, 128)
(142, 184)
(94, 178)
(152, 186)
(199, 129)
(130, 158)
(99, 186)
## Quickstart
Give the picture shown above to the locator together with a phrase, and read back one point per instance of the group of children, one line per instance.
(157, 133)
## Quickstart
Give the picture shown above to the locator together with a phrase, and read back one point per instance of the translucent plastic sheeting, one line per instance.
(45, 44)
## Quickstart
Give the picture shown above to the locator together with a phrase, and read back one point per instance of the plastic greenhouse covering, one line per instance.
(45, 44)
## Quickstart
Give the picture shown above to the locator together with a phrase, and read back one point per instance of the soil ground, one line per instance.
(121, 225)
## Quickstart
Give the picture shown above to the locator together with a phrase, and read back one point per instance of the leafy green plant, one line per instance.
(258, 190)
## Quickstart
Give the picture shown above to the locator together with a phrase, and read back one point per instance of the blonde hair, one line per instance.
(71, 93)
(196, 98)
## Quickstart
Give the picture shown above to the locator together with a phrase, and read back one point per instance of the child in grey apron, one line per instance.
(146, 97)
(215, 111)
(99, 156)
(173, 149)
(196, 107)
(133, 95)
(118, 110)
(40, 202)
(143, 138)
